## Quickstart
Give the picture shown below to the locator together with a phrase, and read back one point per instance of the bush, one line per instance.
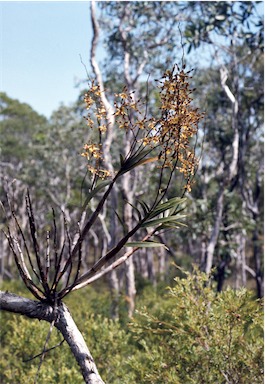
(188, 335)
(23, 338)
(200, 336)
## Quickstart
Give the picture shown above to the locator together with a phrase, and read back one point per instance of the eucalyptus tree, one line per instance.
(59, 170)
(225, 38)
(39, 154)
(20, 128)
(232, 33)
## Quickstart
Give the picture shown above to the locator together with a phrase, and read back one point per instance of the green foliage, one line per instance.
(150, 28)
(21, 339)
(221, 19)
(111, 348)
(189, 334)
(19, 127)
(200, 337)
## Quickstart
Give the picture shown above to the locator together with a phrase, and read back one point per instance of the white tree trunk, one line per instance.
(215, 232)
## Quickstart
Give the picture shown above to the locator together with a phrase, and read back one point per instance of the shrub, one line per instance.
(188, 335)
(200, 337)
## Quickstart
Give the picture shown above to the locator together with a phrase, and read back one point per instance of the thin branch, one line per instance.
(26, 279)
(25, 245)
(45, 351)
(55, 247)
(235, 143)
(78, 267)
(69, 253)
(33, 232)
(114, 265)
(58, 270)
(47, 261)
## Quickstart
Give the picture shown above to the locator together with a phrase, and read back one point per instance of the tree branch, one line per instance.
(114, 265)
(64, 323)
(235, 144)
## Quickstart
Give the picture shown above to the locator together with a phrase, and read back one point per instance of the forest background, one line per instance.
(223, 232)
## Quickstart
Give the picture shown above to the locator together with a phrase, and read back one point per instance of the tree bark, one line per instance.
(257, 260)
(63, 322)
(215, 232)
(240, 278)
(228, 176)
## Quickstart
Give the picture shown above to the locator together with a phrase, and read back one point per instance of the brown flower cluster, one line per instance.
(169, 135)
(96, 114)
(127, 110)
(97, 110)
(178, 123)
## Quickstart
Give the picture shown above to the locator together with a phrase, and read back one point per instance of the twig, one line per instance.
(33, 232)
(45, 351)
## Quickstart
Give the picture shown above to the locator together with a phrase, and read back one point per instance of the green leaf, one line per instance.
(121, 159)
(171, 204)
(175, 211)
(91, 194)
(121, 221)
(175, 226)
(144, 206)
(135, 208)
(145, 244)
(134, 161)
(170, 219)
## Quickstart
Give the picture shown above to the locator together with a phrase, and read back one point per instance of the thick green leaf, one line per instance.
(174, 225)
(175, 211)
(144, 206)
(171, 204)
(135, 160)
(170, 219)
(145, 244)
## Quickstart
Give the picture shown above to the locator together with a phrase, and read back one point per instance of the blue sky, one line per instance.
(41, 44)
